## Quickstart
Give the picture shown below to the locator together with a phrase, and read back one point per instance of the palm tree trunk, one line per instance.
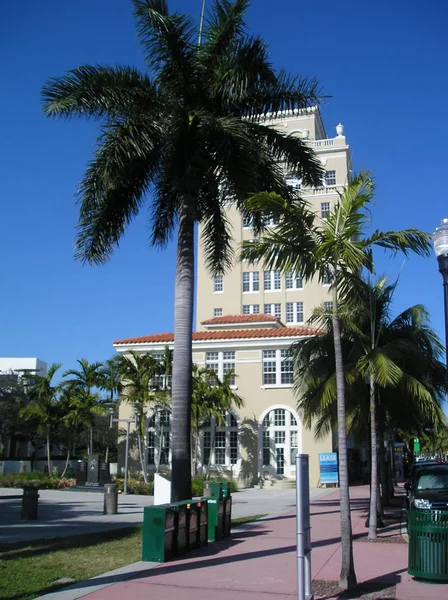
(383, 471)
(182, 357)
(141, 458)
(67, 461)
(90, 439)
(374, 465)
(106, 458)
(48, 454)
(347, 578)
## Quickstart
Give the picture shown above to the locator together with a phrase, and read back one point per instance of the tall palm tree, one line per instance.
(43, 406)
(185, 138)
(402, 365)
(311, 246)
(86, 401)
(110, 381)
(139, 371)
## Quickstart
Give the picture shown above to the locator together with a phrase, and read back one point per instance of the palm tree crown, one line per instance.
(185, 139)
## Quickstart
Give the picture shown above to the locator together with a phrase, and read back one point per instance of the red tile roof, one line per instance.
(229, 334)
(230, 319)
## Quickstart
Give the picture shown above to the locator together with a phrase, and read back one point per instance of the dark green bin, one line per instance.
(216, 508)
(428, 544)
(217, 489)
(159, 533)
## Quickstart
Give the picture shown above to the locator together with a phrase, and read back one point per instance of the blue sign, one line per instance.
(328, 463)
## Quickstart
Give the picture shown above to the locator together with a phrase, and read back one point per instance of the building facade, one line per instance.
(247, 320)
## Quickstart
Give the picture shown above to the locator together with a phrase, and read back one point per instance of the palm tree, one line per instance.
(211, 398)
(85, 401)
(43, 406)
(139, 372)
(398, 358)
(335, 245)
(110, 381)
(186, 138)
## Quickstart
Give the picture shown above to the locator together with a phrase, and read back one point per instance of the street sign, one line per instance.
(416, 445)
(328, 463)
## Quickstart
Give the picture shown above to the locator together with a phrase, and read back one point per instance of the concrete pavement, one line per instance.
(66, 513)
(260, 562)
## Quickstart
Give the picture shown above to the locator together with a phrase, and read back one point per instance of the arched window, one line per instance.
(220, 441)
(159, 437)
(280, 439)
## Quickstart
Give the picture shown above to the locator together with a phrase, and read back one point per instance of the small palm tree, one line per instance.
(336, 245)
(42, 405)
(186, 139)
(86, 403)
(139, 372)
(211, 398)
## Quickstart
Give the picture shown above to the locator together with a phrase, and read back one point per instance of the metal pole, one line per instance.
(201, 23)
(443, 268)
(126, 458)
(303, 538)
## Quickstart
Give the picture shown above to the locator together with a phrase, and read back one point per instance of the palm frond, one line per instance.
(98, 91)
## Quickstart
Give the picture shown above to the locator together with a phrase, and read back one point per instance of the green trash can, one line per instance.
(428, 544)
(181, 538)
(159, 533)
(216, 507)
(216, 489)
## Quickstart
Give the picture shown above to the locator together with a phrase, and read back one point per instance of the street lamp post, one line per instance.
(440, 239)
(126, 455)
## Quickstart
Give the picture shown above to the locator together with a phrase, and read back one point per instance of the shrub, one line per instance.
(135, 486)
(34, 479)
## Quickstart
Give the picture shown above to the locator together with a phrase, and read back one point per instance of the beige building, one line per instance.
(246, 321)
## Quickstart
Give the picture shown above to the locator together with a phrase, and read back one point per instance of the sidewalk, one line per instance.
(260, 562)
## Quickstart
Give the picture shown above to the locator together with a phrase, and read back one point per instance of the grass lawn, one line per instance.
(30, 569)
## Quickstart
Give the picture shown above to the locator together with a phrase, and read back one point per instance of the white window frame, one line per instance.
(217, 312)
(272, 281)
(251, 309)
(254, 282)
(278, 357)
(293, 281)
(247, 221)
(328, 306)
(326, 278)
(297, 309)
(325, 209)
(157, 430)
(327, 177)
(274, 309)
(220, 361)
(218, 284)
(210, 431)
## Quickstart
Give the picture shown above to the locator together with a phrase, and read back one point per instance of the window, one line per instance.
(217, 312)
(218, 284)
(328, 306)
(221, 363)
(294, 181)
(277, 370)
(251, 281)
(280, 441)
(220, 441)
(159, 437)
(160, 381)
(272, 221)
(251, 309)
(247, 221)
(272, 280)
(273, 309)
(326, 277)
(324, 210)
(286, 368)
(294, 312)
(330, 178)
(228, 364)
(293, 281)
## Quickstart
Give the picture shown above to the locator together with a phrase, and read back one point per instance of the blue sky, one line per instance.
(382, 62)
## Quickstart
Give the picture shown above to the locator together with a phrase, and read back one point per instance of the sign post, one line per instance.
(303, 528)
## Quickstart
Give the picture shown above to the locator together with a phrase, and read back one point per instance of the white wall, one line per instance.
(20, 364)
